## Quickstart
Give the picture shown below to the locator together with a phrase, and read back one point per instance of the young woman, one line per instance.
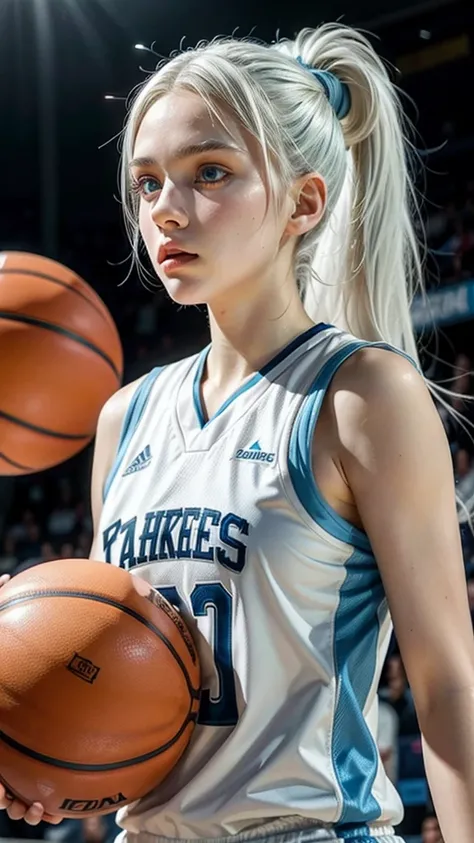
(292, 483)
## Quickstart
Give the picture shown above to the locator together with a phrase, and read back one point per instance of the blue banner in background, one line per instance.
(445, 306)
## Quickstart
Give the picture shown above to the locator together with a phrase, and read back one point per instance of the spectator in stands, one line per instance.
(67, 551)
(83, 544)
(47, 552)
(83, 518)
(470, 594)
(29, 548)
(430, 831)
(8, 559)
(46, 555)
(397, 693)
(387, 739)
(461, 439)
(18, 531)
(63, 519)
(99, 829)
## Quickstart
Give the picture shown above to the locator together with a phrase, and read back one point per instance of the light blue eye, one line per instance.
(153, 189)
(218, 171)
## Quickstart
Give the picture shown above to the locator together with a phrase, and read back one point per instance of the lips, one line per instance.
(168, 252)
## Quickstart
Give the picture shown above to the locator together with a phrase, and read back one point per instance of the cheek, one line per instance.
(147, 227)
(241, 218)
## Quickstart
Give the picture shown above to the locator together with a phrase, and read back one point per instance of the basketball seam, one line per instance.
(96, 768)
(16, 464)
(45, 430)
(103, 312)
(99, 598)
(58, 329)
(115, 765)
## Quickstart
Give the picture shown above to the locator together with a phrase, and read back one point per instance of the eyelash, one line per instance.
(138, 184)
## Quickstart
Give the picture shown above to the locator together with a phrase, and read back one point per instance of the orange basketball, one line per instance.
(99, 687)
(61, 360)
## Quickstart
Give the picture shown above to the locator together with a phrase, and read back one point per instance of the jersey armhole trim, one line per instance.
(132, 419)
(301, 445)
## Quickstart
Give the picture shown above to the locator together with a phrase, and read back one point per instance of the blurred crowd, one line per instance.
(450, 232)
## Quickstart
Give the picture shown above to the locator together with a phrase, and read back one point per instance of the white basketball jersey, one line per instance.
(283, 596)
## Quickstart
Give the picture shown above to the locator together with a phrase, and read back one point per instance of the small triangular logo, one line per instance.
(143, 460)
(255, 446)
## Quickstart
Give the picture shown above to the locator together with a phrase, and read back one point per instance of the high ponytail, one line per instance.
(366, 267)
(360, 268)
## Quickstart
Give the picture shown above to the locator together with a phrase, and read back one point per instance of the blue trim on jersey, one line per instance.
(292, 346)
(197, 386)
(300, 450)
(359, 833)
(300, 456)
(132, 419)
(356, 632)
(275, 361)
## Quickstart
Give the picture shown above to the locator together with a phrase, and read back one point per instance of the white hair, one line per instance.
(361, 267)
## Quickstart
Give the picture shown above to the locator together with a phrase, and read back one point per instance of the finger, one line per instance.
(52, 818)
(34, 814)
(5, 799)
(16, 809)
(4, 579)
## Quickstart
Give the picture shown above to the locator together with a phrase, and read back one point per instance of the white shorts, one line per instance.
(320, 835)
(307, 834)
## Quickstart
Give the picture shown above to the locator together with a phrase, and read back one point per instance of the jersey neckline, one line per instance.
(251, 380)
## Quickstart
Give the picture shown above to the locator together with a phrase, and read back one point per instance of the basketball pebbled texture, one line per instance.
(62, 359)
(99, 687)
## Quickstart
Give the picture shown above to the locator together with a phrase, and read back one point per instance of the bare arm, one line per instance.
(395, 456)
(106, 443)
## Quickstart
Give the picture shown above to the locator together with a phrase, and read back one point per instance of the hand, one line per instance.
(17, 810)
(4, 579)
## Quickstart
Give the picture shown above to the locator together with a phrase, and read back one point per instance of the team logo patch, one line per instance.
(140, 462)
(255, 453)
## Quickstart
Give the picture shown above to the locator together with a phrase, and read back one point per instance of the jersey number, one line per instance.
(214, 600)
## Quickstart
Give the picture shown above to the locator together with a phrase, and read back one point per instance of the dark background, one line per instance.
(59, 198)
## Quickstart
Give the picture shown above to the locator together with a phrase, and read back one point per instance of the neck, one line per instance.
(248, 331)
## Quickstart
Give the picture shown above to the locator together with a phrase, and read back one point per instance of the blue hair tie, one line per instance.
(337, 92)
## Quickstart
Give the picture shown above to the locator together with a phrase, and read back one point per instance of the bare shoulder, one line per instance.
(379, 392)
(113, 411)
(374, 372)
(374, 393)
(109, 427)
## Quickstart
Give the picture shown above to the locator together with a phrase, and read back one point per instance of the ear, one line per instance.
(308, 197)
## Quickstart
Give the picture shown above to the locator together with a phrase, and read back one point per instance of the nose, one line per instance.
(168, 211)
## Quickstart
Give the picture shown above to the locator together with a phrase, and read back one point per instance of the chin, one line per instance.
(190, 293)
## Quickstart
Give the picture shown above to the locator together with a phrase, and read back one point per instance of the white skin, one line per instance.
(382, 459)
(215, 204)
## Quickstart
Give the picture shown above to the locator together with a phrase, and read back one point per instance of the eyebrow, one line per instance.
(188, 151)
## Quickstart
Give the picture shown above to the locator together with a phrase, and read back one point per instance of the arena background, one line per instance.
(65, 68)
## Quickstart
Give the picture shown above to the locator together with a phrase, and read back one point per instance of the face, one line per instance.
(211, 203)
(395, 668)
(431, 832)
